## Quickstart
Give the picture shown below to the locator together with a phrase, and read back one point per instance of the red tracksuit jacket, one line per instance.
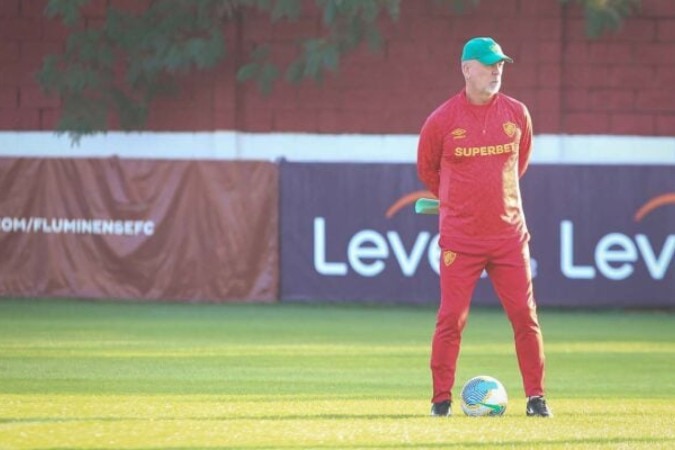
(471, 158)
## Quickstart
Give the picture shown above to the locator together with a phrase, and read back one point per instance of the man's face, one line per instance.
(482, 79)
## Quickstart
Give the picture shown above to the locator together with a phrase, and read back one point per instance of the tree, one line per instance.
(604, 15)
(121, 65)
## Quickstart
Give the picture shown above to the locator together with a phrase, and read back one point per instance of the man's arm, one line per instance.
(429, 151)
(525, 147)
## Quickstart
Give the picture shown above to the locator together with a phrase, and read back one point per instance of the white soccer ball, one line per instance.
(484, 396)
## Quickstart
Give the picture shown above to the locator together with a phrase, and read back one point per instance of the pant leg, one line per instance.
(509, 271)
(459, 274)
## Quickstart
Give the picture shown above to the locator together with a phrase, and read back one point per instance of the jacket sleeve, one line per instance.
(429, 152)
(525, 147)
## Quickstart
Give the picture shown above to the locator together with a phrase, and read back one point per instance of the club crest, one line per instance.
(510, 128)
(449, 257)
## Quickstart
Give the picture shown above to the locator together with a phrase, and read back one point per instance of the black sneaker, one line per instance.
(536, 406)
(441, 409)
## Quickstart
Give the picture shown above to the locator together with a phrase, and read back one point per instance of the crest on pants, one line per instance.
(449, 257)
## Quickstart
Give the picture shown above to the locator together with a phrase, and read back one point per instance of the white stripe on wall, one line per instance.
(385, 148)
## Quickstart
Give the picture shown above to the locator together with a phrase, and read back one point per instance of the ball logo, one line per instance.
(449, 257)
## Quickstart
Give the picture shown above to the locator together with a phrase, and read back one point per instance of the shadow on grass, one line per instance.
(345, 445)
(39, 420)
(300, 417)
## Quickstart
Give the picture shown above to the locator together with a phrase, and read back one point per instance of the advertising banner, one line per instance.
(139, 229)
(602, 236)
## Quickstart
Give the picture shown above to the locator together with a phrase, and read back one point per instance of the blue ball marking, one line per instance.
(477, 390)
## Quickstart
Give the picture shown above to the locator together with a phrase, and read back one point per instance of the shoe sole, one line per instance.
(529, 414)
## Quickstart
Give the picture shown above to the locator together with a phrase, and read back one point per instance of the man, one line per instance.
(472, 151)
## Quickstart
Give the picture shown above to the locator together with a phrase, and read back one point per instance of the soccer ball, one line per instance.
(484, 396)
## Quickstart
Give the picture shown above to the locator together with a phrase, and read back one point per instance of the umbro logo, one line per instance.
(458, 133)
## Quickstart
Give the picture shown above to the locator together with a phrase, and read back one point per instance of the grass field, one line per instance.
(140, 376)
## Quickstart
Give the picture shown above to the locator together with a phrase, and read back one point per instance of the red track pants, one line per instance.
(507, 263)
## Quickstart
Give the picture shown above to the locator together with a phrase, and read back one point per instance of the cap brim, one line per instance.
(494, 58)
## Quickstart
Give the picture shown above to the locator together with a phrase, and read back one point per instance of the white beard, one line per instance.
(492, 89)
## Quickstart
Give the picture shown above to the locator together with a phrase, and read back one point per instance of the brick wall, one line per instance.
(621, 83)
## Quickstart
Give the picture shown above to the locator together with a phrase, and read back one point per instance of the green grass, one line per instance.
(138, 376)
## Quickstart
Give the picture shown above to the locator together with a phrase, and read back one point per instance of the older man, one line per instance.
(472, 151)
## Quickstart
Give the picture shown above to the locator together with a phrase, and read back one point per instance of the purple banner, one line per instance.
(602, 236)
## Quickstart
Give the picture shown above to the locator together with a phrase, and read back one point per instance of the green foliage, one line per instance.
(458, 6)
(347, 23)
(122, 65)
(259, 69)
(605, 15)
(69, 11)
(117, 67)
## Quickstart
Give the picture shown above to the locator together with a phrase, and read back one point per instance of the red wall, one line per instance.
(619, 84)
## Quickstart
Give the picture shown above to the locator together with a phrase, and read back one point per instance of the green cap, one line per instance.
(485, 50)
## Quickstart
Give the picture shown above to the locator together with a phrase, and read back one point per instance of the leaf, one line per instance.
(602, 16)
(460, 6)
(393, 8)
(295, 71)
(248, 71)
(330, 12)
(374, 39)
(132, 113)
(260, 53)
(68, 10)
(285, 9)
(81, 116)
(267, 76)
(331, 57)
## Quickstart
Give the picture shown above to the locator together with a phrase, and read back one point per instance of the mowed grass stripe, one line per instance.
(129, 376)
